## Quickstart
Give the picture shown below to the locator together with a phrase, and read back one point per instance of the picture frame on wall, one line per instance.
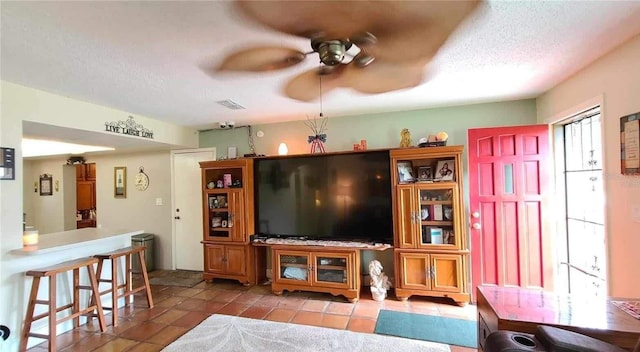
(46, 185)
(630, 144)
(120, 182)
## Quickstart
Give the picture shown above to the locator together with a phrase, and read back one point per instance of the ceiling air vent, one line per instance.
(230, 104)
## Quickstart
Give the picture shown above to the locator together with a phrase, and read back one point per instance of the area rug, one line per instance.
(428, 327)
(184, 278)
(230, 333)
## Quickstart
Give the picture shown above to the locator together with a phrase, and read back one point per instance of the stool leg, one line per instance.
(96, 293)
(76, 296)
(29, 319)
(128, 287)
(92, 299)
(52, 312)
(114, 291)
(145, 277)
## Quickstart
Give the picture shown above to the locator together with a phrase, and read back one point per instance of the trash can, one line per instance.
(143, 239)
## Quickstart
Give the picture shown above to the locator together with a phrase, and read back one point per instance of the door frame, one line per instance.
(173, 195)
(553, 121)
(548, 237)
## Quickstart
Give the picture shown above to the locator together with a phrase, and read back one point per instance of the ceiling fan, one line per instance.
(370, 46)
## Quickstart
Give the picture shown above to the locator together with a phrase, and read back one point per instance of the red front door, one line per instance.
(509, 181)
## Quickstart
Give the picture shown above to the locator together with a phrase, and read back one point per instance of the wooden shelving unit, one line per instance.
(430, 242)
(228, 222)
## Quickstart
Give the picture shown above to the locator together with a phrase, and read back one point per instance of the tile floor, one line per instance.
(178, 309)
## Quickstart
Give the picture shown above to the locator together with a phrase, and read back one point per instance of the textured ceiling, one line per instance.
(145, 57)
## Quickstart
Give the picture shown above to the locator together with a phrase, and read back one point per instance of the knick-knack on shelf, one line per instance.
(405, 136)
(319, 137)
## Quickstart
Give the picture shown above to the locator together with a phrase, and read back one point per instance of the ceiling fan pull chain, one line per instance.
(320, 76)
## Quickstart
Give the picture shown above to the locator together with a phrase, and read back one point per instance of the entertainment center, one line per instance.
(316, 212)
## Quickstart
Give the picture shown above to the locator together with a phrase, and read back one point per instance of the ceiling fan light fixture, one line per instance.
(331, 52)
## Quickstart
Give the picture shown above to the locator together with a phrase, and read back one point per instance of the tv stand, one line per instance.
(304, 241)
(334, 270)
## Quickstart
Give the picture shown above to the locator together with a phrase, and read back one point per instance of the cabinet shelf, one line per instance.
(331, 267)
(226, 229)
(437, 223)
(291, 265)
(218, 210)
(432, 202)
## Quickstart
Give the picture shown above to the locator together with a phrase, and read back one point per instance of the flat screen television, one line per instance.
(325, 197)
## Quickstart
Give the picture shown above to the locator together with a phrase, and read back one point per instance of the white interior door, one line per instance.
(187, 208)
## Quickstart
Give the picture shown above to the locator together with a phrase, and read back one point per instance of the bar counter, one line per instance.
(53, 248)
(66, 240)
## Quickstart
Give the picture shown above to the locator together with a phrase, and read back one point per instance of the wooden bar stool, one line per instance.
(51, 273)
(127, 284)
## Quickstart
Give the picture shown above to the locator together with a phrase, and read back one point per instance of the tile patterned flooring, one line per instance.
(178, 309)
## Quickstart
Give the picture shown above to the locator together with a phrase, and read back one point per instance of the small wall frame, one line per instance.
(630, 144)
(46, 185)
(120, 182)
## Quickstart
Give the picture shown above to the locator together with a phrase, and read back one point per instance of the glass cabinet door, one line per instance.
(437, 214)
(225, 215)
(220, 217)
(292, 267)
(331, 269)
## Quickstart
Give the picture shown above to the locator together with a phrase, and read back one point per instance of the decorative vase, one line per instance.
(317, 143)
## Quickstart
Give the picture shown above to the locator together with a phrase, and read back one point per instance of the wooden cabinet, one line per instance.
(430, 241)
(441, 274)
(228, 221)
(330, 270)
(80, 224)
(85, 195)
(226, 261)
(86, 172)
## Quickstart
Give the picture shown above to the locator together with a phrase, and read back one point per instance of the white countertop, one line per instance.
(59, 241)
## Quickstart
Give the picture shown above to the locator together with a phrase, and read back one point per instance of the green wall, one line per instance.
(381, 131)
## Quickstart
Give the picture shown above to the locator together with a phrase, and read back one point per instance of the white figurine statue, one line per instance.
(379, 281)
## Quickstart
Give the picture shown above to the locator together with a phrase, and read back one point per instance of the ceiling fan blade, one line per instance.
(381, 77)
(330, 19)
(306, 86)
(425, 27)
(405, 30)
(260, 59)
(363, 39)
